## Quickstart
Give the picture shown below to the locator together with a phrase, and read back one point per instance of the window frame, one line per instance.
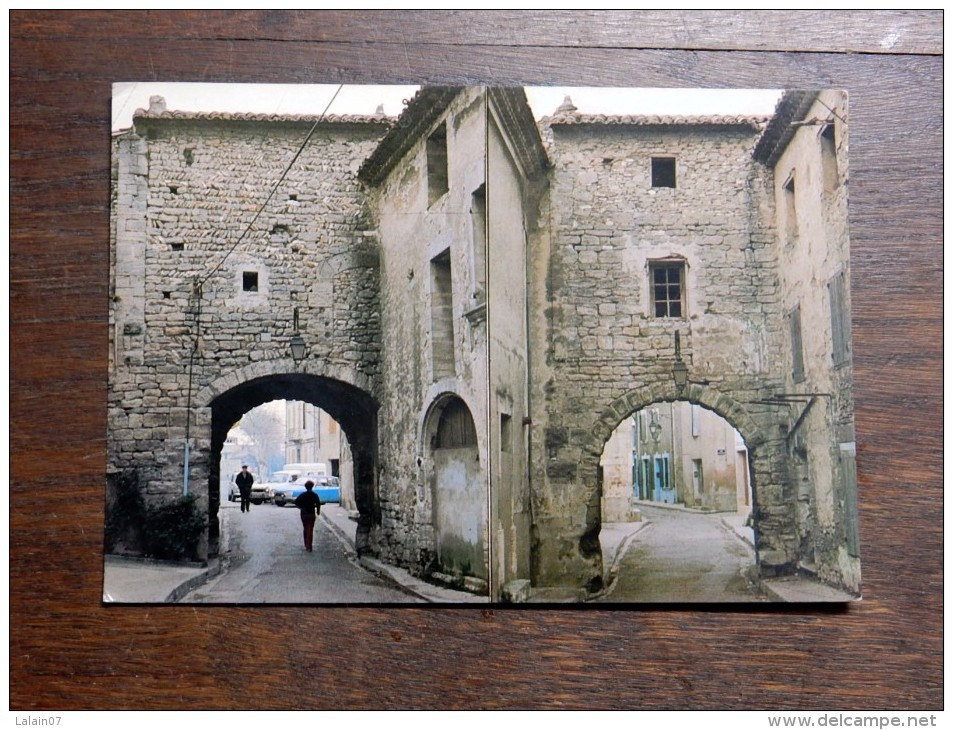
(655, 265)
(438, 164)
(659, 178)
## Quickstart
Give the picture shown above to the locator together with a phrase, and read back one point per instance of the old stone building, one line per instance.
(674, 453)
(311, 435)
(484, 298)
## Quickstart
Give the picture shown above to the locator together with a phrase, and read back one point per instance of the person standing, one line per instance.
(310, 505)
(244, 480)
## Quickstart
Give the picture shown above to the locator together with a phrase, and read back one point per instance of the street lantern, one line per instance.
(655, 428)
(679, 368)
(299, 350)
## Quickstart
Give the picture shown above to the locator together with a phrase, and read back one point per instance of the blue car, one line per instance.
(328, 489)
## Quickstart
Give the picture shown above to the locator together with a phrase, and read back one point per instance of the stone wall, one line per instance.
(419, 238)
(185, 265)
(602, 353)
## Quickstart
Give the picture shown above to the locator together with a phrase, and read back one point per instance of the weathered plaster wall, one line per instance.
(812, 251)
(412, 233)
(513, 199)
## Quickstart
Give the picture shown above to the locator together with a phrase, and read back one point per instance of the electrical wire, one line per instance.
(274, 187)
(831, 110)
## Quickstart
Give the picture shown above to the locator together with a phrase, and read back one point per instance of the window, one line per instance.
(249, 281)
(441, 316)
(840, 319)
(696, 420)
(797, 351)
(663, 172)
(829, 158)
(505, 431)
(668, 290)
(790, 211)
(438, 180)
(478, 218)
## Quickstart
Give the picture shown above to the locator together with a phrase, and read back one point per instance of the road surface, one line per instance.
(266, 563)
(684, 556)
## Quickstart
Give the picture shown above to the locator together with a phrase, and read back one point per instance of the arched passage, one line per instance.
(352, 407)
(771, 503)
(676, 503)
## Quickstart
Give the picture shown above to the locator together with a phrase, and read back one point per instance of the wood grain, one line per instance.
(70, 652)
(860, 31)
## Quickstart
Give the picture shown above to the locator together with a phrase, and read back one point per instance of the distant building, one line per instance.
(675, 452)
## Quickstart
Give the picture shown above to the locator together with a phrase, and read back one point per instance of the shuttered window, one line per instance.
(455, 429)
(840, 319)
(797, 350)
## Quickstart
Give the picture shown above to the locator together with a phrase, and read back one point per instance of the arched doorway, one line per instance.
(677, 507)
(353, 408)
(458, 490)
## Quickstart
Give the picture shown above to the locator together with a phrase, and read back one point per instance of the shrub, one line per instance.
(168, 531)
(125, 510)
(172, 530)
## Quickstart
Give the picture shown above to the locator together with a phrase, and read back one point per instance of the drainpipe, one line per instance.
(185, 471)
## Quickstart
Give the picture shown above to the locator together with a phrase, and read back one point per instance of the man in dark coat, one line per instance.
(244, 480)
(310, 505)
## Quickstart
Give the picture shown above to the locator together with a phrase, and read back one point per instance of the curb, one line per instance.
(183, 589)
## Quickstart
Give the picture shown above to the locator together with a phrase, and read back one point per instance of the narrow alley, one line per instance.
(680, 556)
(267, 563)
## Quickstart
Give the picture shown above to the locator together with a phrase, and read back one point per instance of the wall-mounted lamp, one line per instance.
(299, 350)
(679, 369)
(655, 427)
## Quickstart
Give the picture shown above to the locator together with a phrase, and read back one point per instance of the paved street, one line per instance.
(684, 556)
(267, 563)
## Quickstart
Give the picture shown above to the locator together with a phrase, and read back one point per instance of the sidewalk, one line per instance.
(346, 529)
(140, 580)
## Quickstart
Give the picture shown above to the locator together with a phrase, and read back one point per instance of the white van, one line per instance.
(314, 468)
(292, 474)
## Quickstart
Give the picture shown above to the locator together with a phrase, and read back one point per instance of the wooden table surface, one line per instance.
(70, 652)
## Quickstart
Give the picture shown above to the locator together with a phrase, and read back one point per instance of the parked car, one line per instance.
(259, 491)
(328, 489)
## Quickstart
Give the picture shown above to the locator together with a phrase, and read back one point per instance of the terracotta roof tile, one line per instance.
(256, 117)
(648, 120)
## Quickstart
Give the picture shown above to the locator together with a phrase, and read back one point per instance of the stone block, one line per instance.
(516, 591)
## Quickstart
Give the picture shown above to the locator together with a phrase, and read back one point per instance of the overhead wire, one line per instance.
(198, 286)
(274, 187)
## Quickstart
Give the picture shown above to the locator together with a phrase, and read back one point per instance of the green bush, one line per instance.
(169, 531)
(172, 530)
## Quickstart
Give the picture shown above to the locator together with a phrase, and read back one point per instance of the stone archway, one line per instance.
(225, 401)
(772, 511)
